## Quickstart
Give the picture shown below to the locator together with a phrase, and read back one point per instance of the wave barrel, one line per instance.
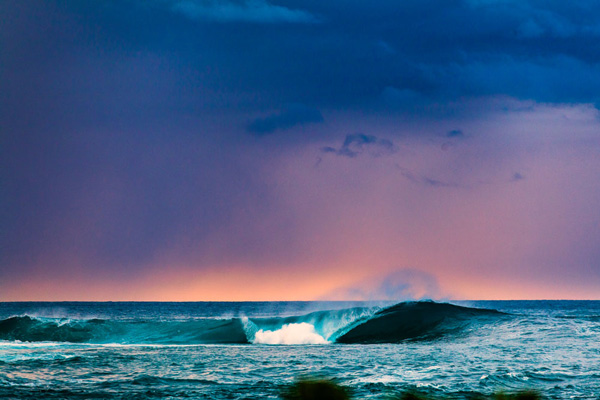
(414, 321)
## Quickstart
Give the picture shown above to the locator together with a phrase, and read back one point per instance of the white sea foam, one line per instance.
(302, 333)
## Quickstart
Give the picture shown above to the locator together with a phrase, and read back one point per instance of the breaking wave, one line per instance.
(302, 333)
(404, 321)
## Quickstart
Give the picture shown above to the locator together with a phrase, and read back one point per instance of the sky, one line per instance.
(299, 150)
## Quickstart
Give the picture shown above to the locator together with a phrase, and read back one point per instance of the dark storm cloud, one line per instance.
(415, 52)
(359, 143)
(517, 177)
(166, 57)
(454, 133)
(293, 115)
(425, 180)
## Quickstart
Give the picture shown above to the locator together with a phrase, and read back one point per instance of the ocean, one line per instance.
(255, 350)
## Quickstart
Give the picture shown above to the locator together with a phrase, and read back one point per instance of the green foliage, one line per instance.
(315, 389)
(408, 395)
(525, 395)
(323, 389)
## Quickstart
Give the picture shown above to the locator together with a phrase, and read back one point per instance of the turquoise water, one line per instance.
(254, 350)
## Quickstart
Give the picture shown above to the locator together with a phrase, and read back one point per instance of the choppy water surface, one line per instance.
(253, 350)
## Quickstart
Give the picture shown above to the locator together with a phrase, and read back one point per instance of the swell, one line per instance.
(206, 331)
(404, 321)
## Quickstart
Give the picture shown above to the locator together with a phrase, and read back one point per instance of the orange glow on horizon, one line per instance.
(244, 284)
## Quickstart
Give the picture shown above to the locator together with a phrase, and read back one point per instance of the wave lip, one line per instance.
(412, 321)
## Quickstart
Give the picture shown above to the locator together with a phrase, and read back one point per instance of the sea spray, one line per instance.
(302, 333)
(250, 329)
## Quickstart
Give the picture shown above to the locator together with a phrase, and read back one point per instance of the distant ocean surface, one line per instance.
(255, 350)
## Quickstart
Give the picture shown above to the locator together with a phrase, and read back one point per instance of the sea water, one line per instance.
(255, 350)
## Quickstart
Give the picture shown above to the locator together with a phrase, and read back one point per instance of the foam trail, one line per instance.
(302, 333)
